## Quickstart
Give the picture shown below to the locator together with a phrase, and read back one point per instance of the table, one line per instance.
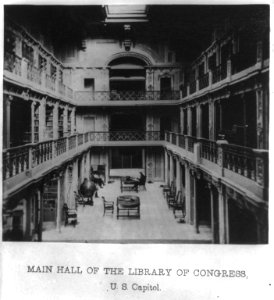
(128, 206)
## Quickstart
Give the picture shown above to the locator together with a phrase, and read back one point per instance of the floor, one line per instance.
(156, 224)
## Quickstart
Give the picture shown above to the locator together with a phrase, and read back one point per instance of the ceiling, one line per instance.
(187, 28)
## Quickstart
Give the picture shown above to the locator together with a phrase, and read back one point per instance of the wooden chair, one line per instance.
(179, 205)
(108, 206)
(171, 193)
(70, 215)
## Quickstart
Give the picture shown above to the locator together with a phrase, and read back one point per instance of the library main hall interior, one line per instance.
(136, 124)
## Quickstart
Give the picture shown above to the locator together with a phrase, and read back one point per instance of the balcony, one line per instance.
(244, 167)
(21, 163)
(231, 71)
(22, 71)
(87, 97)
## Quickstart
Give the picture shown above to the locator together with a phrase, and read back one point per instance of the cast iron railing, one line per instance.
(88, 96)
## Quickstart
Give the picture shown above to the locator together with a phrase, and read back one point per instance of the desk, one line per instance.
(128, 206)
(128, 184)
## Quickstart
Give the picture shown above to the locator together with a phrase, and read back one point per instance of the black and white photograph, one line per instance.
(135, 124)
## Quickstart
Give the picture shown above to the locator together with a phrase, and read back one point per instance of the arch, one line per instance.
(147, 59)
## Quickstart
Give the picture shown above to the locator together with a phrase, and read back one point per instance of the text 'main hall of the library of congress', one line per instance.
(142, 123)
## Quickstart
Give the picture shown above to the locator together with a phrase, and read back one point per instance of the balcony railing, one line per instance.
(21, 159)
(26, 70)
(209, 150)
(219, 73)
(87, 96)
(126, 136)
(182, 141)
(240, 160)
(203, 81)
(41, 152)
(248, 162)
(15, 161)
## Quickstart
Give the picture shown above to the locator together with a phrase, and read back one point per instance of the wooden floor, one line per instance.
(156, 224)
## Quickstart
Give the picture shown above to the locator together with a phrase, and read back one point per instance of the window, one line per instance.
(89, 83)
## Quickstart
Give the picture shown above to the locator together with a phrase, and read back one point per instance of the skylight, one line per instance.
(126, 13)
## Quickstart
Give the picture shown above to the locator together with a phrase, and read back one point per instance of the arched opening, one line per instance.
(127, 77)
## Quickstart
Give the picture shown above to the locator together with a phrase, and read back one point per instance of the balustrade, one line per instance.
(247, 162)
(209, 150)
(182, 141)
(203, 81)
(190, 143)
(86, 135)
(60, 146)
(240, 160)
(80, 139)
(15, 161)
(87, 96)
(72, 142)
(173, 138)
(41, 152)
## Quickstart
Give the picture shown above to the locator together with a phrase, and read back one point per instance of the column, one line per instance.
(195, 206)
(189, 121)
(260, 118)
(167, 182)
(6, 121)
(107, 166)
(212, 120)
(32, 120)
(212, 211)
(83, 167)
(65, 123)
(187, 193)
(87, 164)
(171, 170)
(182, 123)
(199, 121)
(75, 174)
(40, 214)
(222, 215)
(149, 80)
(42, 119)
(55, 121)
(59, 209)
(144, 159)
(73, 128)
(178, 176)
